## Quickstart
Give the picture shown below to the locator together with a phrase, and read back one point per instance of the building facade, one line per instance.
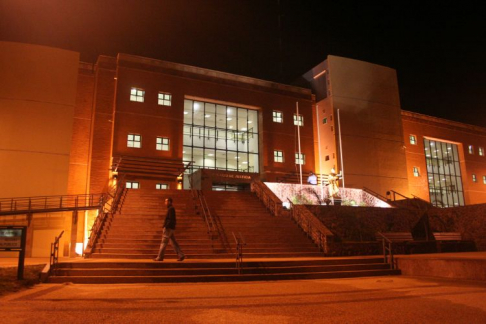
(71, 127)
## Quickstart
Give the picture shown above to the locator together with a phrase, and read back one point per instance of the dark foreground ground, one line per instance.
(397, 299)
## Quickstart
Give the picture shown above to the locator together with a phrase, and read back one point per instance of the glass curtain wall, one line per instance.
(220, 137)
(444, 174)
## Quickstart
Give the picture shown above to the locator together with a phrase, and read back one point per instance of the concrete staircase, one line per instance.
(276, 249)
(135, 232)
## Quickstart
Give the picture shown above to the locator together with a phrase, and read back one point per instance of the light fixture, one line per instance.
(210, 154)
(244, 129)
(185, 112)
(229, 118)
(245, 162)
(231, 127)
(249, 122)
(196, 106)
(207, 116)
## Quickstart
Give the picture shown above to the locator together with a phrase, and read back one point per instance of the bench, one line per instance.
(447, 236)
(396, 237)
(452, 242)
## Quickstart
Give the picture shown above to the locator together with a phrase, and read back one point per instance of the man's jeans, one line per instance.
(168, 235)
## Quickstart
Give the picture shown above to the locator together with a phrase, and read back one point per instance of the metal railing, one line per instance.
(47, 204)
(240, 242)
(374, 193)
(269, 199)
(54, 257)
(312, 226)
(208, 217)
(113, 203)
(387, 250)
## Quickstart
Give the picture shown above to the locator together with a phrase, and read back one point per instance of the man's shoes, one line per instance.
(157, 259)
(181, 258)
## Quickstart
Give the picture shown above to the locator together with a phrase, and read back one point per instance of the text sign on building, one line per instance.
(10, 238)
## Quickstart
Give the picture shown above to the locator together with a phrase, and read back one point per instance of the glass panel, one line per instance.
(253, 121)
(198, 136)
(210, 137)
(221, 160)
(220, 139)
(253, 143)
(209, 114)
(232, 161)
(198, 154)
(253, 163)
(188, 111)
(198, 110)
(221, 116)
(209, 159)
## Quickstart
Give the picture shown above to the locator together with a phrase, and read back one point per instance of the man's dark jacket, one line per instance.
(170, 219)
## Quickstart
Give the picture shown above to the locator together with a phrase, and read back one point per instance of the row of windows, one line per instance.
(278, 156)
(474, 178)
(416, 173)
(135, 141)
(136, 185)
(278, 118)
(138, 95)
(470, 148)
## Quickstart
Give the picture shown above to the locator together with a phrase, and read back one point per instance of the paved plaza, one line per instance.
(397, 299)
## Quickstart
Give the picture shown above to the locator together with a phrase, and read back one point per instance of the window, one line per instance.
(132, 185)
(134, 140)
(165, 99)
(161, 186)
(137, 95)
(278, 156)
(326, 158)
(416, 172)
(484, 179)
(324, 121)
(277, 116)
(162, 144)
(471, 149)
(299, 158)
(474, 178)
(481, 151)
(413, 140)
(298, 120)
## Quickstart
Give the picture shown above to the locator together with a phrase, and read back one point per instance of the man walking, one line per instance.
(168, 234)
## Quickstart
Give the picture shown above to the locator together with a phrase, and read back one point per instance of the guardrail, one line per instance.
(54, 257)
(240, 242)
(387, 251)
(269, 199)
(312, 226)
(46, 204)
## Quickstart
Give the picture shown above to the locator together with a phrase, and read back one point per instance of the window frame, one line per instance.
(299, 120)
(470, 149)
(416, 171)
(161, 186)
(298, 159)
(134, 141)
(164, 101)
(474, 178)
(276, 116)
(480, 151)
(412, 139)
(137, 95)
(276, 157)
(130, 185)
(162, 146)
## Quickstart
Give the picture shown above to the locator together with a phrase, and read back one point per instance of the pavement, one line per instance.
(393, 299)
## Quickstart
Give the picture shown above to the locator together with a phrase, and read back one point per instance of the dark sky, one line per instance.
(438, 50)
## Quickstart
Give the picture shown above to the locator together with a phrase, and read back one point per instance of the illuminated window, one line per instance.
(416, 172)
(162, 144)
(134, 140)
(298, 120)
(161, 186)
(484, 179)
(277, 116)
(132, 185)
(137, 95)
(165, 99)
(474, 178)
(413, 140)
(324, 121)
(278, 156)
(481, 151)
(299, 158)
(471, 149)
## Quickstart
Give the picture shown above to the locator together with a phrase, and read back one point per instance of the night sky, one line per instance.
(438, 50)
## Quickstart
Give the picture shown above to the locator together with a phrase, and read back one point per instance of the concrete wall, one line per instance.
(37, 100)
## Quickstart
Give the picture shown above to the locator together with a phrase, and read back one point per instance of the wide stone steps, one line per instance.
(199, 255)
(153, 272)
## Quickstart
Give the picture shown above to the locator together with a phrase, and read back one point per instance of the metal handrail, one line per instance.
(269, 199)
(240, 242)
(117, 195)
(311, 225)
(374, 193)
(208, 217)
(387, 247)
(54, 257)
(397, 194)
(45, 204)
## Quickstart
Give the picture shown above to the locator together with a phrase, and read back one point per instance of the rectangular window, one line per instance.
(481, 151)
(324, 121)
(165, 99)
(277, 116)
(134, 140)
(413, 140)
(132, 185)
(474, 178)
(162, 144)
(278, 156)
(161, 186)
(471, 149)
(484, 179)
(416, 172)
(299, 158)
(137, 95)
(298, 120)
(326, 158)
